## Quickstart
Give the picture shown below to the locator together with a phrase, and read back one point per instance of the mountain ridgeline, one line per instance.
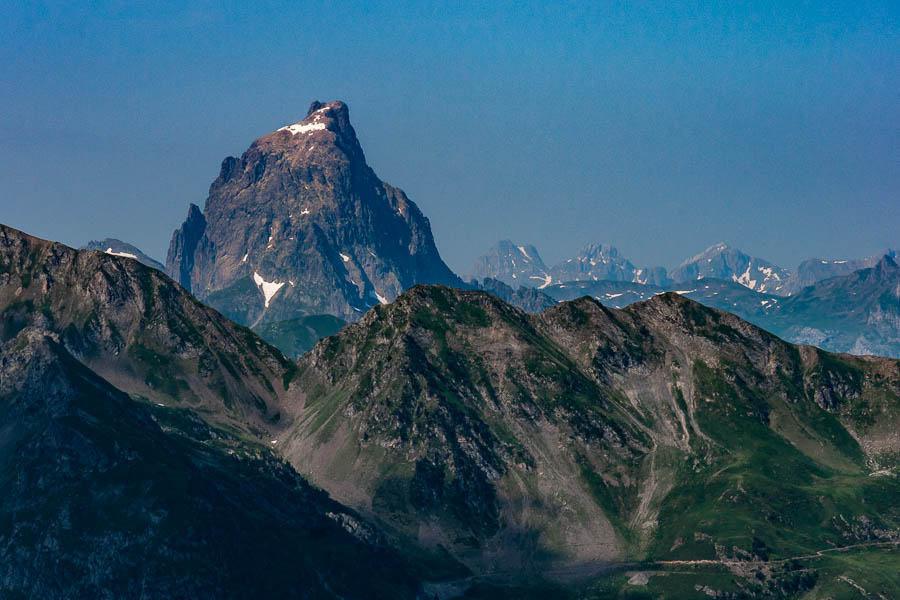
(134, 455)
(300, 225)
(137, 329)
(467, 447)
(586, 435)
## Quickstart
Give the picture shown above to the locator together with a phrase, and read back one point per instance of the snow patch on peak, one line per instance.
(125, 254)
(522, 250)
(344, 257)
(296, 128)
(268, 288)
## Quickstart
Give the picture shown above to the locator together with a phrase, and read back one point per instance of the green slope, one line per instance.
(669, 431)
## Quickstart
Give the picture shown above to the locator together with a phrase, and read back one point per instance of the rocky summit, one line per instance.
(301, 225)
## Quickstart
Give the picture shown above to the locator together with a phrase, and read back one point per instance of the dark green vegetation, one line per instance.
(585, 452)
(297, 336)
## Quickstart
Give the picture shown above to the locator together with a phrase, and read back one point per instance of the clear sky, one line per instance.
(658, 127)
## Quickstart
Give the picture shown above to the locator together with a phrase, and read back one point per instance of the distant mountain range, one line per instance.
(518, 265)
(857, 313)
(840, 315)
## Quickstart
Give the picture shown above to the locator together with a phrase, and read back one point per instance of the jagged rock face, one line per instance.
(301, 225)
(105, 497)
(586, 433)
(184, 247)
(814, 270)
(723, 262)
(120, 248)
(141, 331)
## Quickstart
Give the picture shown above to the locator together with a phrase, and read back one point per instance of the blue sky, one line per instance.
(660, 128)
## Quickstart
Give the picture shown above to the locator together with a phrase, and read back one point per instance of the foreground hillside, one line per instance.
(663, 450)
(129, 456)
(584, 436)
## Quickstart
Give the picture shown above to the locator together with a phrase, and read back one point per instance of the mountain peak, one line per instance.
(512, 264)
(322, 116)
(713, 250)
(603, 250)
(336, 106)
(301, 225)
(721, 261)
(886, 265)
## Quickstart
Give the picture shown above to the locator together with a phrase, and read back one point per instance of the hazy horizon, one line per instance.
(658, 130)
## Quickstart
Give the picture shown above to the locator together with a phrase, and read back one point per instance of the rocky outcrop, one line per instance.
(184, 246)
